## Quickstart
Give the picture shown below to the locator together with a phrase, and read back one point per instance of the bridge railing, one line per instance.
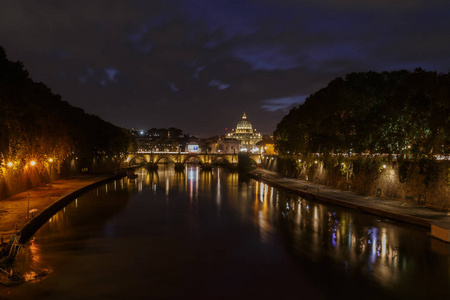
(162, 152)
(167, 152)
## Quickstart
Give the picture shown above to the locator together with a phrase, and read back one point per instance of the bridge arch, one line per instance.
(164, 158)
(136, 159)
(253, 161)
(184, 157)
(256, 158)
(191, 157)
(220, 159)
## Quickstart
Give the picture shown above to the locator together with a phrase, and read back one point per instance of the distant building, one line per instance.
(162, 139)
(228, 146)
(145, 144)
(246, 135)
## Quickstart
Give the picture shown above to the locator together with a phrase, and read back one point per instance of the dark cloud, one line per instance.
(198, 64)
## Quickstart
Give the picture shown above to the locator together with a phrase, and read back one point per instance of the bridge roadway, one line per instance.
(184, 157)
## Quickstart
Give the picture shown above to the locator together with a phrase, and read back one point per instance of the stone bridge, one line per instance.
(140, 158)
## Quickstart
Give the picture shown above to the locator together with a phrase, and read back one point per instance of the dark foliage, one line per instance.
(391, 112)
(38, 125)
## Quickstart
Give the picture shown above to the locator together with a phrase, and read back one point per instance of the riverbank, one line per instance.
(437, 221)
(42, 203)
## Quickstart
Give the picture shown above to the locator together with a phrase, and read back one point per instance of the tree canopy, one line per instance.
(389, 112)
(36, 124)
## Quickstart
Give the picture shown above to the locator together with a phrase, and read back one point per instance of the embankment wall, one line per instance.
(425, 182)
(16, 180)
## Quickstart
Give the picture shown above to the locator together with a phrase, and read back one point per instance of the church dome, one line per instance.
(245, 134)
(244, 125)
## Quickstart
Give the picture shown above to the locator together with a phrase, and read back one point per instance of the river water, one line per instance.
(208, 235)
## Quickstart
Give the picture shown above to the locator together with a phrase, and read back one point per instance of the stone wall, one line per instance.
(423, 182)
(13, 181)
(16, 180)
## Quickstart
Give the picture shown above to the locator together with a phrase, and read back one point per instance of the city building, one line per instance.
(160, 139)
(246, 135)
(229, 146)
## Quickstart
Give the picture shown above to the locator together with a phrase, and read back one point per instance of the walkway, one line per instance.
(436, 220)
(13, 211)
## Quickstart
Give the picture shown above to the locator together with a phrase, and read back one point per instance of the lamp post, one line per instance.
(28, 207)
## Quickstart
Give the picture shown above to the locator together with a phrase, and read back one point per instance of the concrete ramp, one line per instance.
(441, 230)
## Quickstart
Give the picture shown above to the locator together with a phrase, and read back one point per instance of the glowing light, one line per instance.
(50, 159)
(32, 163)
(384, 166)
(315, 161)
(10, 164)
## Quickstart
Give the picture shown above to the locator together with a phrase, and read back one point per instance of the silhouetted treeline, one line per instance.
(36, 124)
(389, 112)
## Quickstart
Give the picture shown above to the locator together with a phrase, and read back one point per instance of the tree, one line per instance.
(389, 112)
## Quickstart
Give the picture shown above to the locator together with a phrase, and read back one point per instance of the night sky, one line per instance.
(199, 64)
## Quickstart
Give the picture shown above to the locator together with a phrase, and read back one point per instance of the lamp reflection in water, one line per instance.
(192, 179)
(319, 230)
(34, 258)
(167, 186)
(264, 215)
(218, 194)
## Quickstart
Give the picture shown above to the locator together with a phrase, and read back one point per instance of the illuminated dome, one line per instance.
(245, 134)
(244, 125)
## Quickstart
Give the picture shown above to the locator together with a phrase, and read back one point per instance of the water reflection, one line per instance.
(381, 251)
(315, 230)
(222, 232)
(68, 227)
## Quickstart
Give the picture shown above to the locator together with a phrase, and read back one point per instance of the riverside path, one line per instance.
(20, 210)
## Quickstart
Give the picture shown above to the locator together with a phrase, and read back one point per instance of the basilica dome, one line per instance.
(245, 133)
(244, 125)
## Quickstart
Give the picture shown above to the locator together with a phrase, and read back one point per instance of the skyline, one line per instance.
(198, 65)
